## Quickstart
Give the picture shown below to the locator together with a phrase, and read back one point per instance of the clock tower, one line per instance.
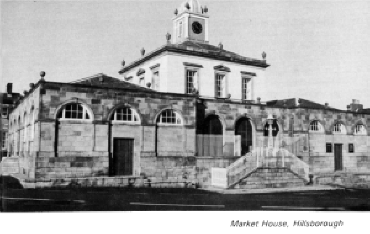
(190, 22)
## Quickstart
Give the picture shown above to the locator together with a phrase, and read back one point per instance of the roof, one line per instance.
(297, 103)
(201, 50)
(103, 80)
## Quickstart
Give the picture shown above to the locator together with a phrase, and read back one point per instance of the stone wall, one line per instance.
(75, 148)
(271, 178)
(293, 132)
(196, 170)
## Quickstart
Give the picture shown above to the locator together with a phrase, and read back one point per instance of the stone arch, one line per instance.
(123, 105)
(321, 125)
(245, 128)
(175, 110)
(212, 125)
(77, 101)
(359, 122)
(338, 122)
(220, 117)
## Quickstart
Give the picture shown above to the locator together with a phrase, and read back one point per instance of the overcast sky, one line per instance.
(317, 50)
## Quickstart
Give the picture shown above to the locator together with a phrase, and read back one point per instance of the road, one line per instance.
(141, 199)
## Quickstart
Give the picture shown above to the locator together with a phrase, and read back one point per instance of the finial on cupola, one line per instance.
(205, 8)
(176, 11)
(187, 6)
(221, 46)
(168, 38)
(42, 74)
(264, 55)
(142, 51)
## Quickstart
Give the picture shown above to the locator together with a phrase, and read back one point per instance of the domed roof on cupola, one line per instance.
(190, 6)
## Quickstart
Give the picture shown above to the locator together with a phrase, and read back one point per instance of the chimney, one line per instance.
(9, 88)
(355, 105)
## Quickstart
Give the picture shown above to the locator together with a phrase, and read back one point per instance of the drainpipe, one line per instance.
(110, 158)
(56, 131)
(156, 139)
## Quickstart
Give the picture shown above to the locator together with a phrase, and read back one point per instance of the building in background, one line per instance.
(188, 112)
(7, 101)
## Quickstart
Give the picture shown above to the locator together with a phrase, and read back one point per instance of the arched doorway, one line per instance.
(212, 126)
(243, 128)
(211, 142)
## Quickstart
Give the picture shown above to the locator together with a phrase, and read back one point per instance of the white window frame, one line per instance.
(246, 88)
(84, 112)
(195, 79)
(134, 115)
(156, 80)
(339, 129)
(142, 81)
(178, 118)
(360, 129)
(220, 87)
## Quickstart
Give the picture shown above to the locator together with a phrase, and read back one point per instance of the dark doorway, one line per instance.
(211, 142)
(123, 152)
(212, 126)
(338, 162)
(243, 127)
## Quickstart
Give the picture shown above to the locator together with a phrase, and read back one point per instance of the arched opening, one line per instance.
(275, 128)
(74, 111)
(211, 143)
(169, 117)
(212, 126)
(125, 114)
(243, 128)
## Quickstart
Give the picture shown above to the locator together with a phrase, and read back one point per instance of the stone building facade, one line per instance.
(187, 112)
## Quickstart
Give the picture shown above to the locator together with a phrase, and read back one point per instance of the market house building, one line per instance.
(186, 113)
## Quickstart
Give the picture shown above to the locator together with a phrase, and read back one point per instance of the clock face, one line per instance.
(197, 27)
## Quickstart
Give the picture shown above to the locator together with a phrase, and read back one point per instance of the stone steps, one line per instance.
(270, 178)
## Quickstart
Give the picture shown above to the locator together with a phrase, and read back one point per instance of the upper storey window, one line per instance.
(339, 129)
(191, 80)
(220, 88)
(245, 88)
(169, 117)
(126, 114)
(192, 77)
(74, 111)
(360, 129)
(155, 82)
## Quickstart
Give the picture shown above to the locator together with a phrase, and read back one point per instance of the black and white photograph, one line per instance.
(246, 115)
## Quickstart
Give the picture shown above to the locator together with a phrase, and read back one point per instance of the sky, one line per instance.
(318, 50)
